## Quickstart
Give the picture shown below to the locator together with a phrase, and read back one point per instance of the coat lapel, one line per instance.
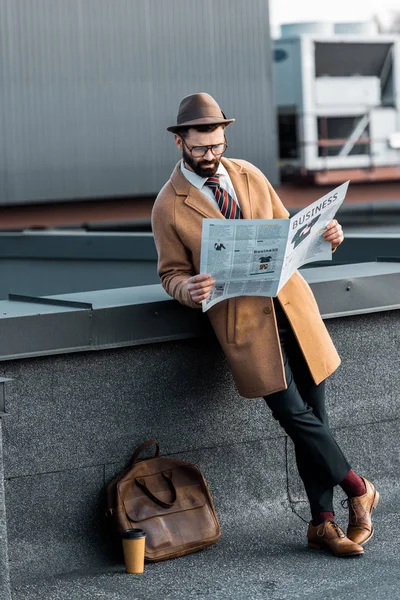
(193, 197)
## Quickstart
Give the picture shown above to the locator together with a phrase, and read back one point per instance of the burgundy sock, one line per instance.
(353, 485)
(320, 517)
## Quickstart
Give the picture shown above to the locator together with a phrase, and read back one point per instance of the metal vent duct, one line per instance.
(347, 59)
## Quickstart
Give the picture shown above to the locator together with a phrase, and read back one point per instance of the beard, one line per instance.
(203, 168)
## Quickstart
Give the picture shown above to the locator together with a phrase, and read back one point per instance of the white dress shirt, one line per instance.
(199, 182)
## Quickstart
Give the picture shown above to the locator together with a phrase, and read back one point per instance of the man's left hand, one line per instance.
(334, 233)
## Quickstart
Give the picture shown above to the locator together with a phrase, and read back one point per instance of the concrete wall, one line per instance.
(5, 593)
(73, 421)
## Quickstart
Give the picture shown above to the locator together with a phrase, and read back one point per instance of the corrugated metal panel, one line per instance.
(89, 86)
(3, 145)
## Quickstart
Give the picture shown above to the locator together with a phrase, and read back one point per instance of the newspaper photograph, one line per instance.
(256, 257)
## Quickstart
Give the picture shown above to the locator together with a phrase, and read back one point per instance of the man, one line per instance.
(277, 348)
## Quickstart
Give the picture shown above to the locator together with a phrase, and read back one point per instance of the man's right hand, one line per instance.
(199, 287)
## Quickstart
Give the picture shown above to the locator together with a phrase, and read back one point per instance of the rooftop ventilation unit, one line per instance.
(338, 101)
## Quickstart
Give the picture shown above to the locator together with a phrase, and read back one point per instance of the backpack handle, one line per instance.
(142, 447)
(168, 478)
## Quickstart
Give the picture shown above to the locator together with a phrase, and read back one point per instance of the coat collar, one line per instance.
(196, 200)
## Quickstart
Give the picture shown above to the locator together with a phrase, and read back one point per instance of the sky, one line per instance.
(290, 11)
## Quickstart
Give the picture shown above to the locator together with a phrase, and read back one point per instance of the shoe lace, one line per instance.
(351, 504)
(322, 530)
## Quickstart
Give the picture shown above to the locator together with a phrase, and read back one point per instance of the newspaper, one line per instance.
(256, 257)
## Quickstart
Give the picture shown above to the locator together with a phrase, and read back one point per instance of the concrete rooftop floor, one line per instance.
(260, 557)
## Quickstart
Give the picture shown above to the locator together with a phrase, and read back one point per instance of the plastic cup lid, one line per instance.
(133, 534)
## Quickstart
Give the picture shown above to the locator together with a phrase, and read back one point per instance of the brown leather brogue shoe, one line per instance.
(329, 536)
(360, 528)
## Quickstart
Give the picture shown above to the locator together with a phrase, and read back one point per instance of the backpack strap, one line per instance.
(142, 447)
(111, 488)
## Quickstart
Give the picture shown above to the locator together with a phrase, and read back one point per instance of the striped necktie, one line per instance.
(226, 204)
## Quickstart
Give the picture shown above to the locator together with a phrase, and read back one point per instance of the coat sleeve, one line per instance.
(174, 264)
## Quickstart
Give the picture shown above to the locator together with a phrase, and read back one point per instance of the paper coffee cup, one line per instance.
(133, 542)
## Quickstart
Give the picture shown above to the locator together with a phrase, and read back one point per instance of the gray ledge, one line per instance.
(146, 314)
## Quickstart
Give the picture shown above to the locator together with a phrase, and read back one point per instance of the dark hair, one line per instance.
(184, 131)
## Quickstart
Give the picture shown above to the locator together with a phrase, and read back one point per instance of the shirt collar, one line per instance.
(198, 181)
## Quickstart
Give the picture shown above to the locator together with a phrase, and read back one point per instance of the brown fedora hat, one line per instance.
(199, 109)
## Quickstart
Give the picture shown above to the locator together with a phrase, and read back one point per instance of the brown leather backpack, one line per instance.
(169, 499)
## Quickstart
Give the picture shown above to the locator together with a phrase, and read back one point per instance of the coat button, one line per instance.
(267, 310)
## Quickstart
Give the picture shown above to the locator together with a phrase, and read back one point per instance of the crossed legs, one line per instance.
(300, 410)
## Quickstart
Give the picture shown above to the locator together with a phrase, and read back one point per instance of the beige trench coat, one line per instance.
(245, 326)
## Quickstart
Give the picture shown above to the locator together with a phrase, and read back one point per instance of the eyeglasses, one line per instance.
(199, 151)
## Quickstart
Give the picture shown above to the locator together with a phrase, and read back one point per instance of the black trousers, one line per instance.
(300, 410)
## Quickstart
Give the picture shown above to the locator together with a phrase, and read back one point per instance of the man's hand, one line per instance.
(199, 287)
(334, 233)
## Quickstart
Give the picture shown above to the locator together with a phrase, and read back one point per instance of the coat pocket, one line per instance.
(231, 321)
